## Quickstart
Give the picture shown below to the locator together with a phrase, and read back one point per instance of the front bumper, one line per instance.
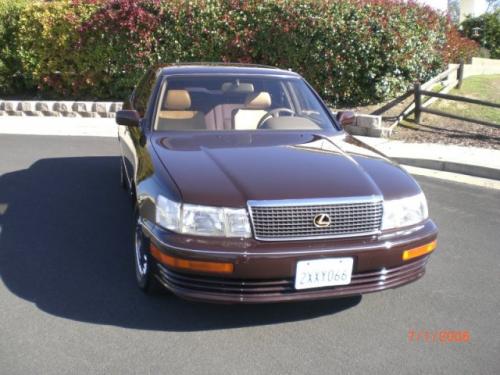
(265, 272)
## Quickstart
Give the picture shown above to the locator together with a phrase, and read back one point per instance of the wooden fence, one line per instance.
(418, 107)
(417, 90)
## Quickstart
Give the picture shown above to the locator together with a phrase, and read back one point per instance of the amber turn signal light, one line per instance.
(419, 251)
(193, 265)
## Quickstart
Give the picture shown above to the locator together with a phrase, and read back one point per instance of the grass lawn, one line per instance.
(484, 87)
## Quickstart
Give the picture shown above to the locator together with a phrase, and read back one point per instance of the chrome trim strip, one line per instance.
(247, 253)
(271, 74)
(386, 244)
(288, 239)
(314, 201)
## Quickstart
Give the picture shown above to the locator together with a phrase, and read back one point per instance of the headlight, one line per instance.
(404, 212)
(168, 213)
(202, 220)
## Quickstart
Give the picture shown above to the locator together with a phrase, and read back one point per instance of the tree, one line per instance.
(485, 29)
(492, 5)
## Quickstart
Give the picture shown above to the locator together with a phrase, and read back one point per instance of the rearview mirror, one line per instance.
(346, 118)
(237, 87)
(128, 118)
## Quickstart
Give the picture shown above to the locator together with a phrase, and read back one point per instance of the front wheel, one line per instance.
(143, 263)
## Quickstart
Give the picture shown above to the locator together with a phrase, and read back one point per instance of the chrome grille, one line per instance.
(293, 220)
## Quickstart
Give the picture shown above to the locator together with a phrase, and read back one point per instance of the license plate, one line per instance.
(323, 272)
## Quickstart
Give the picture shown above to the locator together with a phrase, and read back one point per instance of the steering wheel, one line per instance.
(274, 113)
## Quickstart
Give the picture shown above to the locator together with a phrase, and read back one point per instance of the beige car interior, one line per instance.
(220, 117)
(290, 123)
(256, 106)
(177, 114)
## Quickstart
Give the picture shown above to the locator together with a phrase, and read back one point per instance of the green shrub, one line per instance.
(118, 43)
(459, 48)
(11, 73)
(488, 26)
(48, 38)
(352, 51)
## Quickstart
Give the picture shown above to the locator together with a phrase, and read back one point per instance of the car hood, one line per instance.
(228, 169)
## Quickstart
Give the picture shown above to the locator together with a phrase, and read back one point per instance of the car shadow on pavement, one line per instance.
(65, 229)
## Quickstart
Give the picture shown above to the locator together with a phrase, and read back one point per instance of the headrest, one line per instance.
(177, 100)
(258, 100)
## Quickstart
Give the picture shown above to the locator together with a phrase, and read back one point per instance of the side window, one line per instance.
(143, 92)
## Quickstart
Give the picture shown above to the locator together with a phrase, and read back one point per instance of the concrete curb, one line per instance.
(471, 161)
(61, 108)
(76, 126)
(453, 167)
(454, 177)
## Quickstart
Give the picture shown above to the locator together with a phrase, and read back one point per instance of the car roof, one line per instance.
(223, 68)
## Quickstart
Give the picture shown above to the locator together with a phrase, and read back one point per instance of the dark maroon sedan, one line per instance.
(247, 189)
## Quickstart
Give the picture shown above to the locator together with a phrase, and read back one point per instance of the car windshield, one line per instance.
(227, 103)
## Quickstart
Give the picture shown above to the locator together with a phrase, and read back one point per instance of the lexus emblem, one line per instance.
(322, 221)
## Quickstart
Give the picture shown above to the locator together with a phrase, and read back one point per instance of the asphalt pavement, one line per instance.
(69, 304)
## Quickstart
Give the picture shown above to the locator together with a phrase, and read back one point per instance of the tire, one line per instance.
(144, 265)
(123, 178)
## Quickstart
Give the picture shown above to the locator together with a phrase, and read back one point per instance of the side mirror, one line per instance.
(346, 118)
(128, 118)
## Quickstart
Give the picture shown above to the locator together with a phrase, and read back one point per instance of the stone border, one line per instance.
(365, 125)
(45, 108)
(369, 125)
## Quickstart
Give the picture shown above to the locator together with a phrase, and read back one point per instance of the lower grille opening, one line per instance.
(364, 281)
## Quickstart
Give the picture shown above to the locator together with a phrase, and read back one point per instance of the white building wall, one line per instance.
(467, 7)
(441, 5)
(472, 8)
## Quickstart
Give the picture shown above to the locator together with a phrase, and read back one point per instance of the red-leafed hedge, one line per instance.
(352, 51)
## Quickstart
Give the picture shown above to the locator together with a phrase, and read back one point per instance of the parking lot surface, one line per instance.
(69, 304)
